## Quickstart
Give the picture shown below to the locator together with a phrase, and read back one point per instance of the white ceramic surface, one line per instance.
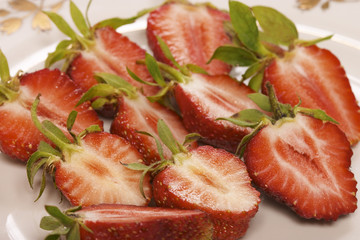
(27, 49)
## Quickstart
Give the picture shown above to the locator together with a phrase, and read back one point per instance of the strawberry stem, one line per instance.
(279, 110)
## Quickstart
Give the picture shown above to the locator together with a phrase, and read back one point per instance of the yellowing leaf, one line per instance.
(23, 5)
(41, 21)
(307, 4)
(10, 25)
(3, 12)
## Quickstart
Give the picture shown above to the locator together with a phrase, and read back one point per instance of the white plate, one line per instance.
(20, 215)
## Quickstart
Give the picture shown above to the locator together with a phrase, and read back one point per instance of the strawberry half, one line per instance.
(317, 77)
(90, 170)
(209, 179)
(99, 48)
(201, 99)
(301, 160)
(19, 137)
(135, 114)
(113, 221)
(192, 32)
(269, 45)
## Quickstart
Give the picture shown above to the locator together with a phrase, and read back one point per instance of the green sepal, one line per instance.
(190, 138)
(98, 90)
(161, 94)
(167, 137)
(54, 133)
(235, 56)
(276, 27)
(154, 70)
(90, 129)
(140, 167)
(157, 142)
(117, 82)
(71, 120)
(247, 118)
(62, 25)
(196, 69)
(307, 43)
(138, 79)
(56, 213)
(49, 223)
(79, 20)
(253, 69)
(245, 140)
(261, 101)
(256, 81)
(166, 51)
(59, 55)
(315, 113)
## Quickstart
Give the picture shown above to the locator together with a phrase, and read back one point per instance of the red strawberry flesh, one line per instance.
(192, 32)
(304, 163)
(316, 76)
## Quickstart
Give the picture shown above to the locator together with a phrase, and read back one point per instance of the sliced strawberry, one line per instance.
(192, 32)
(96, 175)
(19, 137)
(111, 53)
(305, 164)
(206, 98)
(213, 181)
(316, 76)
(140, 114)
(110, 221)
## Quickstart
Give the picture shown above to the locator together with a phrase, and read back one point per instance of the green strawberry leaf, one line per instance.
(79, 20)
(49, 223)
(74, 233)
(246, 118)
(254, 69)
(235, 56)
(307, 43)
(245, 140)
(60, 216)
(245, 26)
(114, 22)
(275, 25)
(190, 138)
(196, 69)
(71, 120)
(138, 79)
(54, 133)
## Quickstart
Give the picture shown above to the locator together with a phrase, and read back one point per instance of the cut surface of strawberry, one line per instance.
(115, 221)
(111, 53)
(96, 174)
(213, 181)
(206, 98)
(19, 136)
(304, 163)
(140, 114)
(192, 32)
(316, 76)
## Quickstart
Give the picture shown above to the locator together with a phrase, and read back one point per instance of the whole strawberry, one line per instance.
(119, 222)
(299, 157)
(192, 33)
(19, 137)
(205, 178)
(268, 42)
(90, 169)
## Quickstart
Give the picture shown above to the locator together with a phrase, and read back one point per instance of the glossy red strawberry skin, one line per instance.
(316, 76)
(96, 175)
(112, 53)
(142, 115)
(133, 222)
(305, 164)
(192, 33)
(213, 181)
(207, 98)
(19, 137)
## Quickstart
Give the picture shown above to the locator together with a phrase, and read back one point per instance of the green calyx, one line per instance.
(279, 112)
(259, 35)
(9, 86)
(67, 49)
(109, 88)
(168, 139)
(66, 223)
(46, 155)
